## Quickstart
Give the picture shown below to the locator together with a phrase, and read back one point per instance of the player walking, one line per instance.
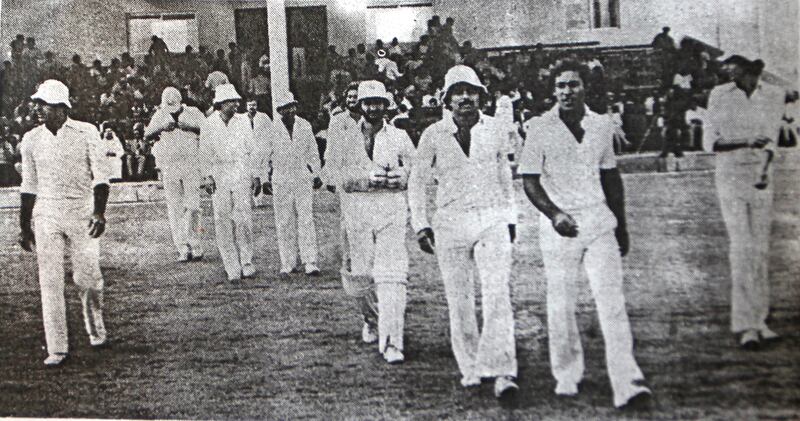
(467, 153)
(64, 181)
(178, 128)
(370, 162)
(570, 175)
(230, 169)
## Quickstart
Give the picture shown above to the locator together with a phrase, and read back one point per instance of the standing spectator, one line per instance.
(743, 120)
(475, 224)
(8, 175)
(159, 50)
(570, 176)
(113, 150)
(63, 182)
(293, 161)
(178, 128)
(260, 89)
(395, 48)
(229, 164)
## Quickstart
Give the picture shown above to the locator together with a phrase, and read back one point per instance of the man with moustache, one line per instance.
(370, 163)
(570, 175)
(231, 168)
(475, 225)
(292, 159)
(64, 181)
(177, 127)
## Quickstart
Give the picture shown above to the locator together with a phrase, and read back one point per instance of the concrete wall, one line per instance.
(96, 28)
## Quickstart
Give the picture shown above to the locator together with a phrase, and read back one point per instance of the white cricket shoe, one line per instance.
(312, 269)
(368, 335)
(393, 355)
(55, 360)
(197, 253)
(768, 334)
(566, 389)
(504, 387)
(248, 270)
(184, 254)
(470, 381)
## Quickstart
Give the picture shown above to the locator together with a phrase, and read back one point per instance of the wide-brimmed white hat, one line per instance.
(373, 89)
(226, 92)
(171, 100)
(285, 100)
(462, 74)
(52, 92)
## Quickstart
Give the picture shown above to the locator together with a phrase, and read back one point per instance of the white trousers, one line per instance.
(182, 191)
(478, 238)
(58, 224)
(747, 213)
(233, 224)
(597, 249)
(376, 227)
(344, 245)
(293, 204)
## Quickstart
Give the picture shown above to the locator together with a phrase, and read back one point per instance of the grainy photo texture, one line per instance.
(399, 209)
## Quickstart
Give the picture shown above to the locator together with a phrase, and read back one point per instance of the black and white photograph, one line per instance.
(400, 209)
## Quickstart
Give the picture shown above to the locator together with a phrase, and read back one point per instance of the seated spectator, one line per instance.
(8, 175)
(139, 161)
(387, 67)
(114, 150)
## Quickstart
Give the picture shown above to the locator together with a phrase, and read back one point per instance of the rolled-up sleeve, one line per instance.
(711, 122)
(421, 172)
(29, 178)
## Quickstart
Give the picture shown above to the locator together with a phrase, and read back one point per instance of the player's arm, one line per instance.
(190, 120)
(28, 191)
(397, 178)
(421, 173)
(312, 155)
(100, 184)
(26, 237)
(563, 223)
(506, 181)
(157, 125)
(611, 181)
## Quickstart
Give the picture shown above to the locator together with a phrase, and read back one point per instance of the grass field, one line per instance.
(186, 346)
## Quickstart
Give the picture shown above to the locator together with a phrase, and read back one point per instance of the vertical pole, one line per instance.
(278, 49)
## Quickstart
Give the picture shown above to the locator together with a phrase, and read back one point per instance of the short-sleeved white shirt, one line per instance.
(67, 165)
(570, 171)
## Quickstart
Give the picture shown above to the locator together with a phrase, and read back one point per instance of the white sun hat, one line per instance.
(373, 89)
(226, 92)
(52, 92)
(171, 100)
(285, 100)
(462, 74)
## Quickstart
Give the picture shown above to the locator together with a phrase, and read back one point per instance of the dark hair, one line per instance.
(569, 66)
(481, 102)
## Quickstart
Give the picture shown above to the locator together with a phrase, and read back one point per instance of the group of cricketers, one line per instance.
(567, 165)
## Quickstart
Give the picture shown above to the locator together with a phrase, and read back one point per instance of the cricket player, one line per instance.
(261, 125)
(570, 175)
(340, 123)
(475, 225)
(292, 159)
(177, 127)
(742, 124)
(370, 162)
(230, 167)
(64, 183)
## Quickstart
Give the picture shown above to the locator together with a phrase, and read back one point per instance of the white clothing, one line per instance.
(475, 205)
(113, 152)
(338, 126)
(376, 220)
(177, 155)
(388, 67)
(294, 162)
(571, 170)
(228, 153)
(480, 181)
(62, 171)
(570, 175)
(747, 211)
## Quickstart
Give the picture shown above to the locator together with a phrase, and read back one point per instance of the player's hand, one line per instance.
(27, 240)
(317, 183)
(97, 225)
(255, 186)
(377, 178)
(763, 182)
(759, 142)
(426, 240)
(512, 232)
(266, 188)
(170, 126)
(330, 188)
(623, 240)
(397, 179)
(565, 225)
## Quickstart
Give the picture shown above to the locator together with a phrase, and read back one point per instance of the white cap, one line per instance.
(224, 93)
(373, 89)
(215, 79)
(52, 92)
(461, 74)
(171, 100)
(285, 100)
